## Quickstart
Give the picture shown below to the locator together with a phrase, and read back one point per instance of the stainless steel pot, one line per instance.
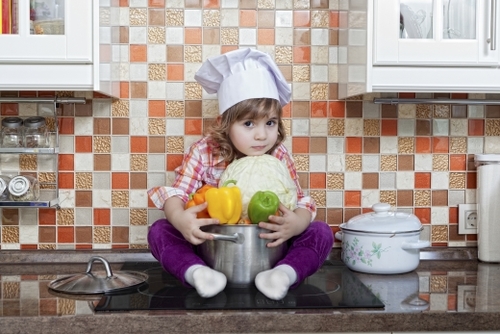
(238, 252)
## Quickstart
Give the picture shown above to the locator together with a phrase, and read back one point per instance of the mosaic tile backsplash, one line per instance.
(349, 153)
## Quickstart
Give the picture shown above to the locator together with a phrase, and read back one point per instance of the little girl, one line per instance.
(251, 92)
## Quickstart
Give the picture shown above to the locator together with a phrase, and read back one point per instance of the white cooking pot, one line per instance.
(382, 241)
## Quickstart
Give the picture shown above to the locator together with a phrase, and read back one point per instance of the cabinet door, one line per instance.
(435, 32)
(47, 31)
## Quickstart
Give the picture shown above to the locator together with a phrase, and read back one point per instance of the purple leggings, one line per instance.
(306, 252)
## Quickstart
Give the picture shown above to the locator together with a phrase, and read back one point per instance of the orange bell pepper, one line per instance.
(198, 198)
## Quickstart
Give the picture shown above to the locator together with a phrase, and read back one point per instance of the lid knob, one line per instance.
(381, 209)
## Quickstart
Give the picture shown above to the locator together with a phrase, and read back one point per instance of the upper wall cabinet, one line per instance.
(58, 45)
(420, 46)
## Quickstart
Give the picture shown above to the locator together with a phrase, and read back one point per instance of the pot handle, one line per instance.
(338, 235)
(415, 245)
(237, 238)
(107, 267)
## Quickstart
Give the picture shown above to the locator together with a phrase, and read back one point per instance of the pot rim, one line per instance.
(392, 233)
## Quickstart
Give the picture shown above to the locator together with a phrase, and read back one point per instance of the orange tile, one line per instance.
(265, 36)
(389, 127)
(354, 144)
(301, 54)
(228, 48)
(334, 19)
(120, 180)
(174, 161)
(83, 247)
(124, 89)
(156, 108)
(317, 180)
(102, 217)
(423, 145)
(192, 35)
(301, 18)
(458, 161)
(9, 109)
(138, 144)
(422, 180)
(440, 145)
(459, 96)
(175, 72)
(28, 247)
(300, 145)
(83, 144)
(406, 95)
(319, 109)
(65, 234)
(453, 215)
(46, 216)
(66, 180)
(287, 110)
(452, 302)
(336, 109)
(476, 127)
(66, 162)
(193, 126)
(471, 180)
(424, 214)
(248, 18)
(115, 246)
(211, 4)
(123, 3)
(352, 198)
(66, 125)
(138, 53)
(156, 3)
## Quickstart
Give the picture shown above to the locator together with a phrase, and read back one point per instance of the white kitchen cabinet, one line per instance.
(419, 46)
(62, 45)
(434, 33)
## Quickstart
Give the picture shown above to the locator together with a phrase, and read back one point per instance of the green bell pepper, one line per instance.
(262, 205)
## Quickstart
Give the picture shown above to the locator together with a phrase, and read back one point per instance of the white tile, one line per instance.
(387, 181)
(192, 18)
(138, 72)
(440, 127)
(319, 73)
(284, 18)
(84, 126)
(229, 18)
(174, 35)
(336, 163)
(301, 91)
(175, 126)
(84, 162)
(406, 127)
(354, 127)
(138, 198)
(319, 127)
(175, 91)
(101, 198)
(138, 35)
(319, 36)
(157, 53)
(283, 36)
(369, 197)
(120, 162)
(334, 199)
(300, 127)
(335, 145)
(388, 145)
(440, 215)
(317, 163)
(352, 181)
(405, 180)
(440, 180)
(120, 144)
(370, 163)
(247, 36)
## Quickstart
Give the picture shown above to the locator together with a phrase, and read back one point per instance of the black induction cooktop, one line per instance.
(333, 286)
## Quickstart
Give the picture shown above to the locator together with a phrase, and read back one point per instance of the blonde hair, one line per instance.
(252, 108)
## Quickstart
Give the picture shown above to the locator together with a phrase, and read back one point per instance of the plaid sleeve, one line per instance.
(188, 177)
(303, 201)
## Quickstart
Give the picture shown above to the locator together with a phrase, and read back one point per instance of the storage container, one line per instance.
(488, 206)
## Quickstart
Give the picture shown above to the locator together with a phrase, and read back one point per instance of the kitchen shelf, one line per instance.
(49, 191)
(48, 199)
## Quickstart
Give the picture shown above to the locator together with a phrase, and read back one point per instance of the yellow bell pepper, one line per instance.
(224, 203)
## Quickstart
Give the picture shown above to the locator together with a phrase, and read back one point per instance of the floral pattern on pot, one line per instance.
(353, 253)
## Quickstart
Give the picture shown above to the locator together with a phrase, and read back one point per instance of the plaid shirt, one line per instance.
(203, 166)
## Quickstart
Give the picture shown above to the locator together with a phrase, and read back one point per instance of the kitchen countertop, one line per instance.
(451, 289)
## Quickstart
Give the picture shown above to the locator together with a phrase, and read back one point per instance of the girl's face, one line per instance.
(254, 136)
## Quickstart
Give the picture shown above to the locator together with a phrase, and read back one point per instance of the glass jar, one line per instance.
(12, 132)
(35, 132)
(4, 191)
(24, 188)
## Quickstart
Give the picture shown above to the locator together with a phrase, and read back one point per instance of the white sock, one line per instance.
(274, 283)
(205, 280)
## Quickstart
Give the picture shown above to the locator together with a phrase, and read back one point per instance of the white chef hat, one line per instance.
(243, 74)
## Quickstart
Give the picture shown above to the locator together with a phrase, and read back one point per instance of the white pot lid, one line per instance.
(383, 220)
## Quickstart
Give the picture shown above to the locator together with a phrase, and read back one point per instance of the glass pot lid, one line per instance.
(98, 281)
(383, 220)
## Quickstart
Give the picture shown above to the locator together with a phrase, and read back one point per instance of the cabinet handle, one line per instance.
(493, 25)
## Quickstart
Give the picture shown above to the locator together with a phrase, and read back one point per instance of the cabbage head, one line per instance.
(261, 173)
